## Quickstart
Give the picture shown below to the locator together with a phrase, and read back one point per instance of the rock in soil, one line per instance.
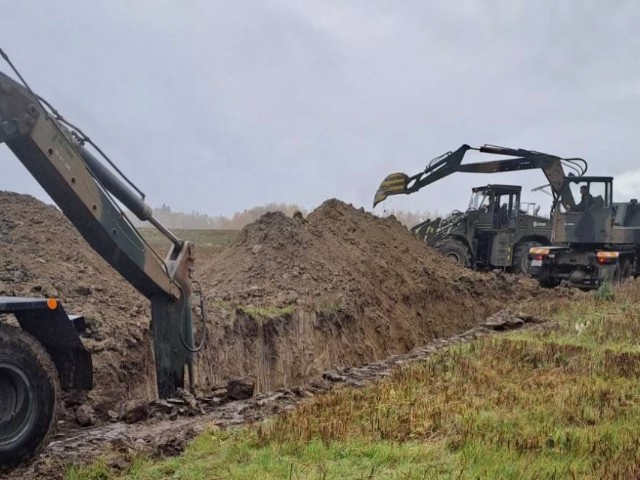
(134, 411)
(86, 416)
(240, 388)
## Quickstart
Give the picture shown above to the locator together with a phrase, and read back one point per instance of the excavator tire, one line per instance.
(521, 256)
(622, 272)
(29, 387)
(455, 250)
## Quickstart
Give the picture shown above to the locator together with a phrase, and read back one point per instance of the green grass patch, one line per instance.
(557, 402)
(268, 311)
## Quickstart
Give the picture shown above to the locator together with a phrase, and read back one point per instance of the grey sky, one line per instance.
(218, 106)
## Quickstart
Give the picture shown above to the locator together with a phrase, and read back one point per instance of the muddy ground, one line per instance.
(290, 299)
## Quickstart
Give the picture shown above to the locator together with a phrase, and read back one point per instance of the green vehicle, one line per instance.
(496, 231)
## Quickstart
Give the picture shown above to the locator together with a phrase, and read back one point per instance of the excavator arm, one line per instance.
(451, 162)
(86, 192)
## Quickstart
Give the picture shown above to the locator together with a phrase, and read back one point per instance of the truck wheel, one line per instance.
(521, 256)
(455, 250)
(622, 272)
(549, 282)
(29, 389)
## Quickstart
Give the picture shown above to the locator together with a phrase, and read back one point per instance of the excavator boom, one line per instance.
(45, 352)
(86, 192)
(451, 162)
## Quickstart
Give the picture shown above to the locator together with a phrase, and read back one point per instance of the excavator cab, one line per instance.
(589, 218)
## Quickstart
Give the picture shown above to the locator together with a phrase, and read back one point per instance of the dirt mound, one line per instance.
(345, 259)
(342, 287)
(41, 254)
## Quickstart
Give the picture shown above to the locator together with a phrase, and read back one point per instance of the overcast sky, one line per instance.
(218, 106)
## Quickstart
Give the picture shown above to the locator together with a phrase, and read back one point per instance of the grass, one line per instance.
(268, 311)
(556, 402)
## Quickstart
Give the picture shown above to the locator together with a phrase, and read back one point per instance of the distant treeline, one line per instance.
(196, 220)
(409, 219)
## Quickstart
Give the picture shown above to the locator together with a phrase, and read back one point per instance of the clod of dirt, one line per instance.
(134, 411)
(86, 416)
(240, 388)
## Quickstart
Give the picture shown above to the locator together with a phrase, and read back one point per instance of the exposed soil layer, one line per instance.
(291, 298)
(341, 287)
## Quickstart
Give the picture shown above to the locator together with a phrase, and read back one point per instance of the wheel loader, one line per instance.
(496, 231)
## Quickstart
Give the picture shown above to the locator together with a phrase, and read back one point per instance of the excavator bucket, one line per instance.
(394, 184)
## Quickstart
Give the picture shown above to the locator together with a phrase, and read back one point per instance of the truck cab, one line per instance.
(584, 212)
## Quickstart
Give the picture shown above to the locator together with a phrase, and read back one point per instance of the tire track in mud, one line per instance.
(164, 437)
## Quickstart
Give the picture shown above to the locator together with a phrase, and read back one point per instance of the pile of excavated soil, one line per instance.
(345, 259)
(358, 287)
(290, 299)
(41, 254)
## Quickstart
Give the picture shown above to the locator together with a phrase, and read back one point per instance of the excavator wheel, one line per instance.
(455, 250)
(521, 256)
(29, 389)
(622, 273)
(547, 282)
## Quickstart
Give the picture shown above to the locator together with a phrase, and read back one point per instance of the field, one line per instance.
(202, 238)
(560, 400)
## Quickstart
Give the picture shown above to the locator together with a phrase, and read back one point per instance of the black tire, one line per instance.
(456, 251)
(622, 272)
(521, 256)
(549, 282)
(29, 389)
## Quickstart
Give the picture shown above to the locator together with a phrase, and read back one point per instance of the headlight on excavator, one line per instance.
(605, 258)
(538, 253)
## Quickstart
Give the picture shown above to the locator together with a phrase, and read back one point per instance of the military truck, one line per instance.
(594, 240)
(496, 231)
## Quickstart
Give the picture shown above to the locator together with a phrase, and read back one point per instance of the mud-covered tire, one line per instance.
(521, 256)
(29, 390)
(455, 250)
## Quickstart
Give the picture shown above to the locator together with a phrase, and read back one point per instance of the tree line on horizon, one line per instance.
(200, 221)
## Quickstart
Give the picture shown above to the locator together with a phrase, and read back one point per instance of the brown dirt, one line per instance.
(41, 254)
(291, 298)
(341, 287)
